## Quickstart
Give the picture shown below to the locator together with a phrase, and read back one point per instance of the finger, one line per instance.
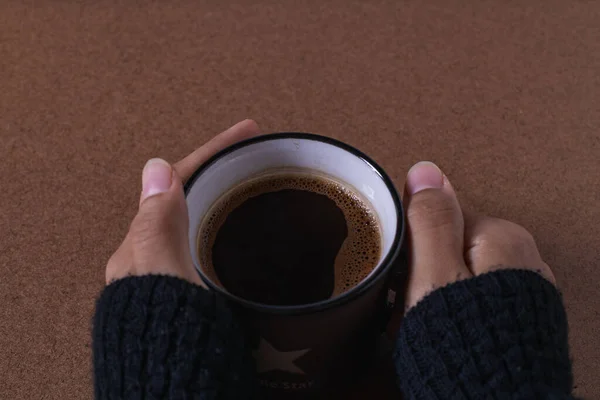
(159, 232)
(493, 243)
(240, 131)
(436, 231)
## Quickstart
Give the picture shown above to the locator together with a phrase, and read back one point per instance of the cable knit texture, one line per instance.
(501, 335)
(159, 337)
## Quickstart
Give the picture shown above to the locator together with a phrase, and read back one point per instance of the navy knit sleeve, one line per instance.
(159, 337)
(501, 335)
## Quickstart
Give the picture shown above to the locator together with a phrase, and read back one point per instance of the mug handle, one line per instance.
(389, 317)
(395, 288)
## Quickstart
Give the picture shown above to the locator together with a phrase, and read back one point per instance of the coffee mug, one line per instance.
(303, 349)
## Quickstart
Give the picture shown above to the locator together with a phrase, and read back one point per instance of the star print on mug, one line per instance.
(270, 359)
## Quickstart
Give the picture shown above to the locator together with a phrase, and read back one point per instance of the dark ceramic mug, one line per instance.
(302, 349)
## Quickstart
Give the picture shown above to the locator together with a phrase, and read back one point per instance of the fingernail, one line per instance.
(156, 177)
(424, 175)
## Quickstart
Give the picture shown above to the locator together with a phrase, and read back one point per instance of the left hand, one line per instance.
(157, 241)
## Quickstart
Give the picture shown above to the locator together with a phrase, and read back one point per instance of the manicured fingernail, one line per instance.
(156, 177)
(424, 175)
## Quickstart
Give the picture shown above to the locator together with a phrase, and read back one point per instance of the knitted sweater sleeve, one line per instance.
(159, 337)
(501, 335)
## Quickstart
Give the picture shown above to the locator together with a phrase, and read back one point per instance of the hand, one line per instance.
(447, 244)
(157, 241)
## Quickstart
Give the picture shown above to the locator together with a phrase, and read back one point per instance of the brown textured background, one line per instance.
(504, 95)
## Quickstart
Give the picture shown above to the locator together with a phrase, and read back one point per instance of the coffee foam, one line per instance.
(359, 253)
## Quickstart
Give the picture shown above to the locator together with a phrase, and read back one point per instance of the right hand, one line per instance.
(447, 244)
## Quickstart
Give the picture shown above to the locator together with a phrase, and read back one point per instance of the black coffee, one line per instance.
(289, 238)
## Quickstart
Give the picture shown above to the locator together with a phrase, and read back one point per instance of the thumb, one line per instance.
(159, 232)
(436, 231)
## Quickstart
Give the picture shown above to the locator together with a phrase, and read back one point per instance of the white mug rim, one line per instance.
(384, 266)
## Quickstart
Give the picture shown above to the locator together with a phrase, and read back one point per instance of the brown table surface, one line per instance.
(503, 95)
